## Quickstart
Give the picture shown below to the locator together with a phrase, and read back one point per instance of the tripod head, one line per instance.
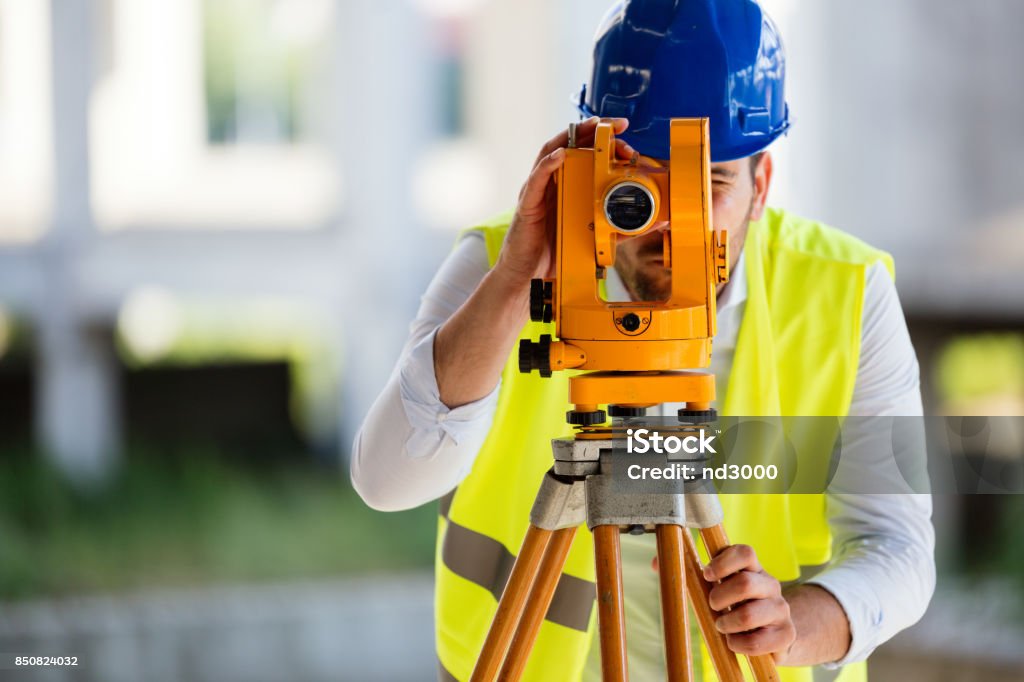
(602, 200)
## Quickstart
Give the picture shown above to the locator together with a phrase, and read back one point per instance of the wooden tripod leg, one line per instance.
(610, 610)
(763, 667)
(726, 664)
(537, 604)
(511, 604)
(671, 572)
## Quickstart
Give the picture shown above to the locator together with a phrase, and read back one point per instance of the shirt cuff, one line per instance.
(431, 420)
(863, 612)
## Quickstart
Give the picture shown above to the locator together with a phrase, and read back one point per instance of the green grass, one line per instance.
(193, 519)
(1009, 560)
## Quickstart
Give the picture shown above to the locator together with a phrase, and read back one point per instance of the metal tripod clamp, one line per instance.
(561, 502)
(580, 487)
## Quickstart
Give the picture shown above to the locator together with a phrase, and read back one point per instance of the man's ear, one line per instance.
(762, 181)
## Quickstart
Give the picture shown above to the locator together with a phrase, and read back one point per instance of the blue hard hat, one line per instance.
(655, 60)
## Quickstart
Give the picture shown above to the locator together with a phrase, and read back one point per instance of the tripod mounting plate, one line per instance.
(607, 507)
(580, 487)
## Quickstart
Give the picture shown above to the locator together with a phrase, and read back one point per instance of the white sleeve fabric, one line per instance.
(412, 448)
(883, 569)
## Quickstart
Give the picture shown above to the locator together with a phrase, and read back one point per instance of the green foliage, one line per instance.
(193, 519)
(1009, 560)
(982, 365)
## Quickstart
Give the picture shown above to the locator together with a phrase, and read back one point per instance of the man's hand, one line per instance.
(471, 348)
(530, 243)
(755, 617)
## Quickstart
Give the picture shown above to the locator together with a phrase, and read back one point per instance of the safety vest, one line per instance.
(796, 354)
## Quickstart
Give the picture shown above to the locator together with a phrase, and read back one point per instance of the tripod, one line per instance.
(577, 489)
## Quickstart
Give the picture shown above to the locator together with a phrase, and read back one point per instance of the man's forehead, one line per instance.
(727, 169)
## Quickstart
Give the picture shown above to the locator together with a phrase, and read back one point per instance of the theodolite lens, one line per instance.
(629, 206)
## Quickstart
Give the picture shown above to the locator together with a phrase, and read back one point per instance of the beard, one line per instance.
(648, 280)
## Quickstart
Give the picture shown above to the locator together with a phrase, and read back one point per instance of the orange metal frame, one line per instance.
(673, 333)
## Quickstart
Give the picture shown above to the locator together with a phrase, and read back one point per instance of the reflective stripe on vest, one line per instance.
(481, 560)
(796, 354)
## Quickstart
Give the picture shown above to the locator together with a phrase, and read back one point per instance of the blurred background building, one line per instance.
(217, 218)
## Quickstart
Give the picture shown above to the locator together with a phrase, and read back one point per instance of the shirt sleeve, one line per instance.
(883, 570)
(411, 448)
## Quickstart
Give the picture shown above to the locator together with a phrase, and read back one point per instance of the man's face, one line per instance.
(738, 188)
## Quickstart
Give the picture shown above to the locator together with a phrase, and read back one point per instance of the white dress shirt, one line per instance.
(412, 449)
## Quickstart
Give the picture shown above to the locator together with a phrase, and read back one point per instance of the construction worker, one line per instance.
(810, 324)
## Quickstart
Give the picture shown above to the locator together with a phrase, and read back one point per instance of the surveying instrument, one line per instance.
(629, 355)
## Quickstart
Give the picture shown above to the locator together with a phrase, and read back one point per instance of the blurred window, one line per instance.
(452, 79)
(25, 120)
(213, 114)
(257, 61)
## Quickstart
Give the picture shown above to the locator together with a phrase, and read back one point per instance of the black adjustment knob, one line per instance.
(536, 300)
(621, 411)
(630, 322)
(697, 416)
(525, 356)
(543, 355)
(549, 313)
(585, 418)
(535, 356)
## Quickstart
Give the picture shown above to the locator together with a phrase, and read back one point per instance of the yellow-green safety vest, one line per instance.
(796, 355)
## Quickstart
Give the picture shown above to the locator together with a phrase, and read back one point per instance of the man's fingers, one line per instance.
(741, 587)
(586, 127)
(732, 559)
(532, 198)
(623, 150)
(587, 130)
(584, 136)
(756, 618)
(752, 615)
(769, 640)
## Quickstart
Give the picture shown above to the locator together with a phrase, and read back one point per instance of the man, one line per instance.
(809, 325)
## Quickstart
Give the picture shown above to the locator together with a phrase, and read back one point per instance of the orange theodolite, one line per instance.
(632, 355)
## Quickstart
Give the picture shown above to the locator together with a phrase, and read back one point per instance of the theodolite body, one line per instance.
(602, 200)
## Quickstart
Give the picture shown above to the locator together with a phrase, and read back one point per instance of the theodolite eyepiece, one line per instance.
(629, 207)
